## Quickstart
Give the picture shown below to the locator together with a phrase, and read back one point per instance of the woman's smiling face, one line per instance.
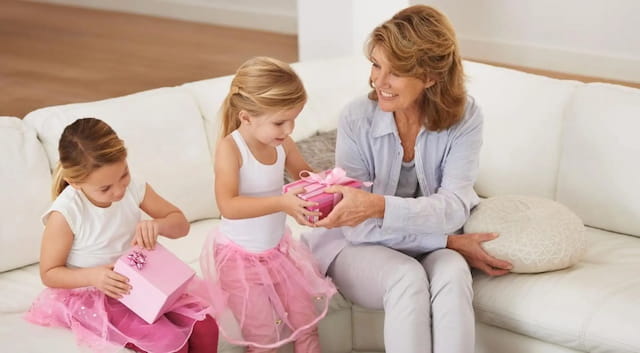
(395, 92)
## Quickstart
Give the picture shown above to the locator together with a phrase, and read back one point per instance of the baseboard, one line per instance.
(552, 59)
(211, 13)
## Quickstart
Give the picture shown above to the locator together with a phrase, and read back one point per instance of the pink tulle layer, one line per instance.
(264, 299)
(105, 325)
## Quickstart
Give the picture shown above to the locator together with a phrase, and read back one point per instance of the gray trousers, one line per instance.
(427, 303)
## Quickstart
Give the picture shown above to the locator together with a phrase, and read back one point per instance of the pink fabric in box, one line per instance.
(314, 186)
(156, 284)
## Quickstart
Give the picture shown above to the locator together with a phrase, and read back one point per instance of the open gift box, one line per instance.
(157, 277)
(314, 185)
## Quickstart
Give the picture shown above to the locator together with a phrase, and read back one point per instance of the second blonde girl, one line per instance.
(265, 287)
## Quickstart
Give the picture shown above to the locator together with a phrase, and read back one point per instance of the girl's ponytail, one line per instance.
(58, 182)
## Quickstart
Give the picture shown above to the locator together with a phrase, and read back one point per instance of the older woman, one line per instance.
(417, 136)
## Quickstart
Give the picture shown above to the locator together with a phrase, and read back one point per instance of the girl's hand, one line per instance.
(109, 282)
(146, 234)
(297, 207)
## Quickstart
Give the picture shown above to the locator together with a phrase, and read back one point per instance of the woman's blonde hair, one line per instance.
(85, 145)
(420, 42)
(261, 85)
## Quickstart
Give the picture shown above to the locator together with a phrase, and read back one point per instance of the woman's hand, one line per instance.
(297, 207)
(146, 234)
(109, 282)
(469, 246)
(355, 207)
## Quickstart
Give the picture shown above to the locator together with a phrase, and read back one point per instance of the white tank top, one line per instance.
(259, 180)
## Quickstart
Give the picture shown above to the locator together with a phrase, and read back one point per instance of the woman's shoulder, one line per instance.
(472, 114)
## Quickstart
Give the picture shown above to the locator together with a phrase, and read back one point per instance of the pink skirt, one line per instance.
(264, 299)
(106, 325)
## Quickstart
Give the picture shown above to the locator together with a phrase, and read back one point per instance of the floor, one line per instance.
(51, 54)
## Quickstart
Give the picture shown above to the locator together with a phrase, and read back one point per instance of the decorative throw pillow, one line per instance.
(535, 234)
(318, 150)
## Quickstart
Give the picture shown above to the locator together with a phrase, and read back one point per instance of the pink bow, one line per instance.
(137, 259)
(330, 177)
(335, 176)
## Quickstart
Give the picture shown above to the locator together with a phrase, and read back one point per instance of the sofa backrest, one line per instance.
(164, 134)
(330, 85)
(564, 140)
(24, 185)
(523, 119)
(599, 175)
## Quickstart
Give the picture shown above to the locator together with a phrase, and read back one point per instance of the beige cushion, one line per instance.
(536, 234)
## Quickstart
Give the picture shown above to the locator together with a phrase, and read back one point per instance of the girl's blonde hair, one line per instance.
(261, 85)
(420, 42)
(85, 145)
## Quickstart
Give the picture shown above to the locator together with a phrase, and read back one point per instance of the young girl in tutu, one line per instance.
(264, 286)
(94, 219)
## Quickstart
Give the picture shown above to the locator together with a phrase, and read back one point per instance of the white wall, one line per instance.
(268, 15)
(330, 28)
(598, 38)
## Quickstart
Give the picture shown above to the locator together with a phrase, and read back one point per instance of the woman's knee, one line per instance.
(447, 268)
(408, 277)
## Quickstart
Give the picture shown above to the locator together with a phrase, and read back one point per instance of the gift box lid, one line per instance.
(157, 278)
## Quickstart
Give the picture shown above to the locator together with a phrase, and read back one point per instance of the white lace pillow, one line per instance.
(536, 234)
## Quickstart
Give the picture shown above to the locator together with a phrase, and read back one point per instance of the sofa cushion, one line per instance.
(588, 307)
(163, 132)
(523, 119)
(536, 235)
(599, 170)
(25, 190)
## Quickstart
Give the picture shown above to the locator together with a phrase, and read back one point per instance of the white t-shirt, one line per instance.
(100, 235)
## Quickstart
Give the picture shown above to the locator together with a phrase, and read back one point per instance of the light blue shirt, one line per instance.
(446, 162)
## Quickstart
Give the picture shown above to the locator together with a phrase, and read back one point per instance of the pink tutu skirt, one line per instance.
(106, 325)
(264, 299)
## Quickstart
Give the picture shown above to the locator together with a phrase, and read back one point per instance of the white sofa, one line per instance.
(564, 140)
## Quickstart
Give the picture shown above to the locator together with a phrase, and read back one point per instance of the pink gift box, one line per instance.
(157, 277)
(314, 186)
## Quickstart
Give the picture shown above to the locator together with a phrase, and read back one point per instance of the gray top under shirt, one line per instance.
(446, 165)
(408, 181)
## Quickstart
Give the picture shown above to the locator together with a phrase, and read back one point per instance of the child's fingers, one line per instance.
(146, 235)
(296, 190)
(116, 277)
(308, 204)
(303, 220)
(112, 294)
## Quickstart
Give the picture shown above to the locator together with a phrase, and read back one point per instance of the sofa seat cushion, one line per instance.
(587, 307)
(536, 234)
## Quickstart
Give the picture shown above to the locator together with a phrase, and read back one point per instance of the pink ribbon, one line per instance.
(330, 177)
(137, 259)
(335, 176)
